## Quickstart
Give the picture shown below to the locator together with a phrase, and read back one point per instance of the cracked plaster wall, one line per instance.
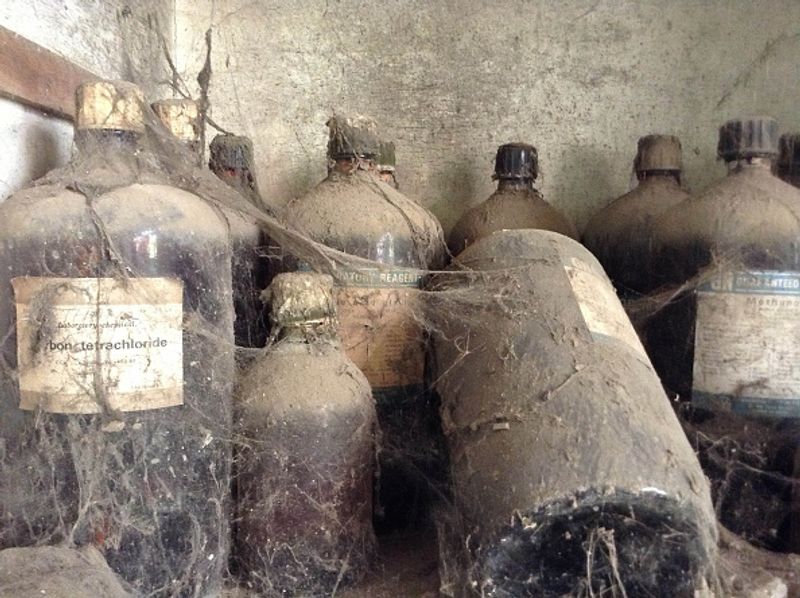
(449, 80)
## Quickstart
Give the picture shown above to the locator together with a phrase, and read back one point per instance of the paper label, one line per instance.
(747, 343)
(379, 327)
(600, 307)
(88, 345)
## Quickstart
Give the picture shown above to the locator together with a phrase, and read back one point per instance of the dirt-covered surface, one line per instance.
(57, 573)
(406, 566)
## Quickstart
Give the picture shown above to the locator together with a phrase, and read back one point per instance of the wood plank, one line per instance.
(35, 76)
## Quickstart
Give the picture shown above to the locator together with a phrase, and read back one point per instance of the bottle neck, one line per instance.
(348, 166)
(111, 140)
(308, 332)
(756, 163)
(514, 184)
(659, 175)
(240, 179)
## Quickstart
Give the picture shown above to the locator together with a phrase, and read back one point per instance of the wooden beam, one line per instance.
(33, 75)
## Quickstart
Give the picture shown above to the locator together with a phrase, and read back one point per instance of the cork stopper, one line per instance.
(233, 152)
(111, 105)
(516, 161)
(386, 159)
(301, 298)
(789, 155)
(658, 153)
(744, 138)
(181, 117)
(352, 137)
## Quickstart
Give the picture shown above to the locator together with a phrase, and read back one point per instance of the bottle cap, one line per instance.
(301, 298)
(748, 138)
(658, 152)
(789, 155)
(516, 161)
(112, 105)
(386, 157)
(181, 117)
(231, 152)
(352, 137)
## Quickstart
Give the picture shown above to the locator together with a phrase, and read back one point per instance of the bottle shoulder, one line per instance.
(132, 207)
(517, 209)
(750, 207)
(633, 214)
(295, 376)
(363, 216)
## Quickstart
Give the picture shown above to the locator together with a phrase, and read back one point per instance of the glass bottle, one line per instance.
(724, 333)
(619, 235)
(353, 211)
(571, 474)
(115, 390)
(515, 204)
(256, 257)
(231, 158)
(304, 470)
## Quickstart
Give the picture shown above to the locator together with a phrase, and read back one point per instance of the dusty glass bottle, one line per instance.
(353, 211)
(231, 159)
(115, 393)
(564, 447)
(619, 235)
(304, 470)
(725, 338)
(386, 163)
(515, 204)
(788, 163)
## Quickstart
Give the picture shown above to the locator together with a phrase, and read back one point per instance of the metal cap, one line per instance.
(748, 138)
(301, 298)
(352, 137)
(516, 161)
(658, 152)
(231, 151)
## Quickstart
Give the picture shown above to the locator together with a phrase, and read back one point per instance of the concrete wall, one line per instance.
(449, 80)
(112, 38)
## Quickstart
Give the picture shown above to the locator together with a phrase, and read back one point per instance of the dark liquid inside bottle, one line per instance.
(304, 471)
(515, 205)
(149, 488)
(620, 235)
(356, 213)
(730, 253)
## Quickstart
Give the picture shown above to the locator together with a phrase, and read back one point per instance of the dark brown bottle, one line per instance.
(620, 234)
(725, 338)
(564, 447)
(231, 159)
(305, 466)
(353, 211)
(788, 163)
(115, 391)
(515, 204)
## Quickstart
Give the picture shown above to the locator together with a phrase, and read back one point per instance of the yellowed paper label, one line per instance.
(600, 307)
(89, 345)
(381, 335)
(746, 350)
